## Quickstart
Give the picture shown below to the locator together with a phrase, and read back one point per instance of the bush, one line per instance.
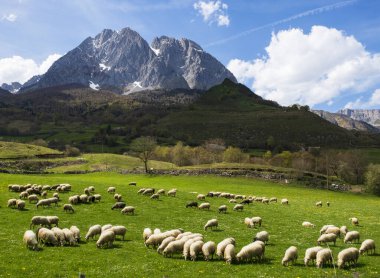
(372, 179)
(72, 151)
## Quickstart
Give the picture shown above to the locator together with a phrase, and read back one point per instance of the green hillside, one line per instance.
(18, 150)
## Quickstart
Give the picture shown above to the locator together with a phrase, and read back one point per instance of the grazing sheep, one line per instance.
(56, 195)
(367, 245)
(311, 254)
(229, 253)
(191, 204)
(91, 189)
(324, 257)
(250, 251)
(348, 256)
(147, 233)
(222, 246)
(30, 240)
(118, 205)
(328, 204)
(324, 228)
(12, 203)
(44, 194)
(201, 197)
(83, 199)
(284, 201)
(232, 201)
(208, 249)
(333, 230)
(53, 200)
(211, 223)
(183, 235)
(172, 192)
(128, 209)
(354, 221)
(165, 243)
(238, 207)
(93, 231)
(148, 191)
(155, 196)
(273, 199)
(39, 220)
(246, 202)
(106, 239)
(291, 255)
(204, 206)
(156, 231)
(343, 230)
(20, 204)
(257, 220)
(265, 201)
(91, 199)
(75, 230)
(46, 236)
(195, 249)
(161, 192)
(111, 190)
(74, 199)
(133, 183)
(119, 231)
(59, 234)
(325, 238)
(97, 197)
(53, 220)
(33, 198)
(155, 240)
(248, 222)
(106, 227)
(24, 195)
(222, 208)
(118, 197)
(43, 203)
(173, 247)
(68, 208)
(318, 204)
(262, 236)
(307, 224)
(141, 190)
(352, 236)
(186, 247)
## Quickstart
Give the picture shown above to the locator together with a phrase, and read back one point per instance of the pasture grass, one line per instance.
(18, 150)
(130, 258)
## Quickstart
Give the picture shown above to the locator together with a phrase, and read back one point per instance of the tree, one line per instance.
(234, 155)
(372, 179)
(145, 147)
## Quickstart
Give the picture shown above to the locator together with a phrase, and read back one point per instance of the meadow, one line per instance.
(130, 258)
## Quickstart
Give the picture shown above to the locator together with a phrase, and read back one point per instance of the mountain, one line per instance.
(371, 116)
(123, 62)
(4, 92)
(14, 87)
(346, 122)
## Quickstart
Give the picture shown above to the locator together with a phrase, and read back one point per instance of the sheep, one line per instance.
(232, 201)
(186, 247)
(111, 190)
(53, 220)
(128, 209)
(257, 220)
(347, 256)
(56, 195)
(119, 231)
(44, 194)
(106, 227)
(161, 192)
(59, 234)
(157, 231)
(173, 247)
(93, 231)
(147, 233)
(324, 228)
(250, 251)
(333, 230)
(24, 195)
(155, 196)
(229, 253)
(39, 220)
(118, 205)
(30, 240)
(262, 236)
(53, 200)
(201, 197)
(238, 207)
(91, 188)
(118, 197)
(141, 190)
(172, 192)
(133, 183)
(311, 254)
(354, 221)
(75, 230)
(307, 224)
(291, 255)
(106, 239)
(204, 206)
(248, 222)
(148, 191)
(46, 236)
(246, 202)
(20, 204)
(222, 208)
(352, 236)
(265, 201)
(323, 257)
(195, 249)
(46, 188)
(33, 198)
(273, 199)
(43, 203)
(74, 199)
(97, 197)
(86, 191)
(68, 208)
(318, 204)
(325, 238)
(328, 203)
(343, 230)
(91, 199)
(183, 234)
(208, 249)
(12, 203)
(211, 223)
(222, 245)
(155, 240)
(191, 204)
(367, 245)
(83, 198)
(284, 201)
(165, 243)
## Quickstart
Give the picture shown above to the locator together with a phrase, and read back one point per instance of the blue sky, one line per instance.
(270, 45)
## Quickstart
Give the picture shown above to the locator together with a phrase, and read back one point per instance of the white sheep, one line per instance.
(348, 256)
(250, 251)
(333, 230)
(229, 253)
(222, 208)
(119, 231)
(172, 192)
(208, 249)
(183, 234)
(291, 255)
(367, 245)
(69, 237)
(128, 209)
(238, 207)
(111, 190)
(195, 249)
(20, 204)
(308, 224)
(97, 197)
(46, 236)
(68, 208)
(186, 246)
(318, 204)
(39, 220)
(352, 236)
(248, 222)
(354, 221)
(24, 195)
(53, 220)
(155, 240)
(173, 247)
(74, 199)
(33, 198)
(106, 227)
(83, 198)
(148, 191)
(30, 239)
(91, 188)
(161, 192)
(204, 206)
(156, 231)
(147, 233)
(265, 201)
(165, 243)
(118, 197)
(76, 233)
(311, 254)
(343, 230)
(273, 199)
(285, 201)
(324, 228)
(155, 196)
(222, 245)
(211, 223)
(201, 197)
(257, 220)
(59, 234)
(262, 236)
(325, 238)
(43, 203)
(232, 201)
(106, 239)
(93, 231)
(323, 257)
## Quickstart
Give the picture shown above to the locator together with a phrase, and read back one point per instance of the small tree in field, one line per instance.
(145, 147)
(372, 179)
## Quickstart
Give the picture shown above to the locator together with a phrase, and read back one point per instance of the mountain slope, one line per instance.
(371, 116)
(12, 87)
(122, 61)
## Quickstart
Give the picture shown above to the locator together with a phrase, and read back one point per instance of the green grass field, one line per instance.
(130, 258)
(18, 150)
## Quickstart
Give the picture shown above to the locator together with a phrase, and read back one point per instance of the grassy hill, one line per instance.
(18, 150)
(130, 258)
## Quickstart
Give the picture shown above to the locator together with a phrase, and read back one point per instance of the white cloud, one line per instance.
(213, 11)
(373, 102)
(21, 70)
(310, 68)
(9, 17)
